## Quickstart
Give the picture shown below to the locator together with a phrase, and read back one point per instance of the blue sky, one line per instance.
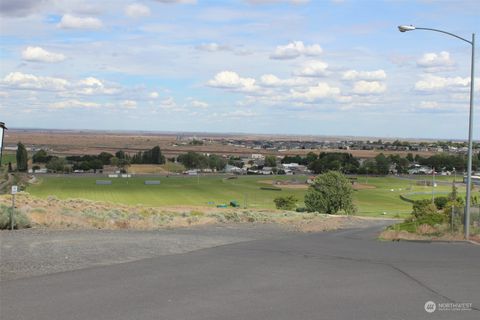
(253, 66)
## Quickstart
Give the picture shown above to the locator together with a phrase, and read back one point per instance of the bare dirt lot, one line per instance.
(94, 142)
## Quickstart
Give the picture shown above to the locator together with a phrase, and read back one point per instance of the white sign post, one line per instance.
(14, 192)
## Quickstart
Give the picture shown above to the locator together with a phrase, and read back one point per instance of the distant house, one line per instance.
(267, 170)
(234, 169)
(258, 156)
(418, 169)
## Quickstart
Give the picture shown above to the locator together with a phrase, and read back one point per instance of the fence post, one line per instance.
(453, 212)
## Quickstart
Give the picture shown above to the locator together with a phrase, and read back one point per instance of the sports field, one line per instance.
(374, 195)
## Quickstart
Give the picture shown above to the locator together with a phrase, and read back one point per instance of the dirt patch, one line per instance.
(359, 186)
(285, 184)
(404, 235)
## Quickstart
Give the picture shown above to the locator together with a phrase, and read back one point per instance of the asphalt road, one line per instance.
(333, 275)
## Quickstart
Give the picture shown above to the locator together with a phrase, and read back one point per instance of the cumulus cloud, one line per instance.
(321, 91)
(41, 55)
(94, 86)
(129, 104)
(270, 80)
(73, 22)
(428, 105)
(198, 104)
(170, 104)
(153, 95)
(137, 10)
(73, 103)
(212, 47)
(364, 75)
(231, 80)
(314, 68)
(431, 83)
(435, 62)
(363, 87)
(294, 50)
(19, 80)
(241, 114)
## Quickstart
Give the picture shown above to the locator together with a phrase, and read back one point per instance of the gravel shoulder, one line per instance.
(32, 252)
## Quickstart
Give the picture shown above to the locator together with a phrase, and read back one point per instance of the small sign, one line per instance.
(14, 189)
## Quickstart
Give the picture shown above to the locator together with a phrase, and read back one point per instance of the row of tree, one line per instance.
(381, 164)
(193, 160)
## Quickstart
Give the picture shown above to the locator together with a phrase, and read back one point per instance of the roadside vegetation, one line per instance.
(439, 218)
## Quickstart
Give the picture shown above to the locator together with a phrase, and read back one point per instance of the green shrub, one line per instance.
(20, 220)
(441, 202)
(286, 202)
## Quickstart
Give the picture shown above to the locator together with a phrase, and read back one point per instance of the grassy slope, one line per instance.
(8, 157)
(172, 191)
(181, 190)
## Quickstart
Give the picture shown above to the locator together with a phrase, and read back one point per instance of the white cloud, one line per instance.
(198, 104)
(169, 104)
(73, 103)
(434, 62)
(431, 83)
(270, 80)
(364, 75)
(294, 50)
(240, 114)
(129, 104)
(428, 105)
(137, 10)
(313, 68)
(41, 55)
(231, 80)
(29, 81)
(212, 47)
(368, 87)
(319, 92)
(72, 22)
(93, 86)
(153, 95)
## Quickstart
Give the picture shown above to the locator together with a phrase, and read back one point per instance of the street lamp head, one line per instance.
(406, 28)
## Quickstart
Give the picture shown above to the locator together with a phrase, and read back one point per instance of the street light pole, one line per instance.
(2, 128)
(405, 28)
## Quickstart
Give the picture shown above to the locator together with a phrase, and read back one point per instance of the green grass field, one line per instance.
(383, 194)
(8, 157)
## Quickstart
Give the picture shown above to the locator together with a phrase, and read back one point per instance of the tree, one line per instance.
(330, 193)
(270, 161)
(285, 203)
(157, 157)
(57, 165)
(22, 158)
(105, 157)
(120, 154)
(382, 163)
(41, 156)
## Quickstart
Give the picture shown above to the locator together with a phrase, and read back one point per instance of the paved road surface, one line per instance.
(334, 275)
